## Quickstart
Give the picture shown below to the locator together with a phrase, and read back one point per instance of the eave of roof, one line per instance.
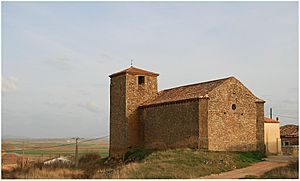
(172, 102)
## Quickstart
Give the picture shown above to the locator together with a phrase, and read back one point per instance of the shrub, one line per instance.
(246, 158)
(88, 158)
(89, 164)
(137, 154)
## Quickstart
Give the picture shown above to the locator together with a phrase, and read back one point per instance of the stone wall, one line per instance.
(125, 97)
(231, 118)
(260, 119)
(118, 120)
(136, 94)
(291, 140)
(203, 124)
(171, 125)
(292, 150)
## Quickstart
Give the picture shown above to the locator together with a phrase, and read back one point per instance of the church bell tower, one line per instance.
(128, 90)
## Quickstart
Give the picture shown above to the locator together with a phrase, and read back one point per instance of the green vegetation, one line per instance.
(36, 150)
(250, 177)
(134, 155)
(245, 159)
(184, 163)
(139, 163)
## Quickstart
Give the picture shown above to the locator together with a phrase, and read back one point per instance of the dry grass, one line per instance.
(45, 173)
(124, 172)
(177, 163)
(288, 172)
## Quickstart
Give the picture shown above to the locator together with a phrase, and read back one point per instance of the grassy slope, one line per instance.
(184, 163)
(177, 163)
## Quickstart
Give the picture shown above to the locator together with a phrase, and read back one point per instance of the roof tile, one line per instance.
(269, 120)
(184, 92)
(289, 130)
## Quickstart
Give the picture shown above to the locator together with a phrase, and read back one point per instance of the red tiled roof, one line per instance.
(184, 92)
(134, 71)
(11, 155)
(269, 120)
(289, 130)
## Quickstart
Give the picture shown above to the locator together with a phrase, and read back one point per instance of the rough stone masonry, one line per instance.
(218, 115)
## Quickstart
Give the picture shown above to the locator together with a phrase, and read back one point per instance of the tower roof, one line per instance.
(134, 71)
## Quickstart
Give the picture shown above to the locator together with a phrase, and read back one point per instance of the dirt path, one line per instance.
(256, 169)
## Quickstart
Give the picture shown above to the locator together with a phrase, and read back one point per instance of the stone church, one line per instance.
(218, 115)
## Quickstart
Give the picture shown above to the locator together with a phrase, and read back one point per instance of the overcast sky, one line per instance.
(56, 57)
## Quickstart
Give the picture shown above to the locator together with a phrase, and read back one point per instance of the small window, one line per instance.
(286, 143)
(141, 79)
(233, 106)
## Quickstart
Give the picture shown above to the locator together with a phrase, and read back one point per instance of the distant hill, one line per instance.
(14, 137)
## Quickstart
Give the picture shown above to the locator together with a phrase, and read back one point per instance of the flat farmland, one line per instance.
(42, 149)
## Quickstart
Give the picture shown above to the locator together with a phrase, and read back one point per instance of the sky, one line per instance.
(56, 57)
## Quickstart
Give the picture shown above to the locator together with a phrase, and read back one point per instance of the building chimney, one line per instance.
(271, 113)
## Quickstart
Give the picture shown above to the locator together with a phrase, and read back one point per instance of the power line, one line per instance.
(40, 148)
(93, 139)
(286, 116)
(55, 146)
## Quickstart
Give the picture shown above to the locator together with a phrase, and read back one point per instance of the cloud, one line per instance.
(106, 57)
(61, 63)
(288, 101)
(90, 106)
(9, 84)
(57, 104)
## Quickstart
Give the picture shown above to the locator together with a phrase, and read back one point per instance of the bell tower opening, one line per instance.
(141, 79)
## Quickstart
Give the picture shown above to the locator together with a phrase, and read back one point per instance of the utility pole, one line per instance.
(22, 154)
(271, 112)
(76, 151)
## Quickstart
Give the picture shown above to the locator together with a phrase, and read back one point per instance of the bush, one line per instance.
(88, 158)
(89, 164)
(137, 154)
